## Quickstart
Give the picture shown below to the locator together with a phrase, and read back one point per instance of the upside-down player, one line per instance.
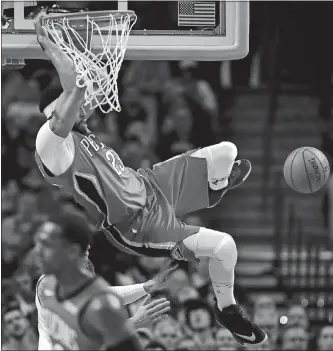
(137, 210)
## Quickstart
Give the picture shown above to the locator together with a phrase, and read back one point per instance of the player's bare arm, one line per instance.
(131, 293)
(67, 108)
(105, 319)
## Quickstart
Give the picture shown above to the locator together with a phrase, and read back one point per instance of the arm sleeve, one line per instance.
(44, 341)
(129, 293)
(56, 153)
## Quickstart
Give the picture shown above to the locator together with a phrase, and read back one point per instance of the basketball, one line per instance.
(306, 170)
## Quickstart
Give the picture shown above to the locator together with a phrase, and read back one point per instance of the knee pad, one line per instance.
(226, 251)
(213, 244)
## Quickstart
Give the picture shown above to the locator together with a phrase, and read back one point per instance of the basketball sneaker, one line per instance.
(242, 329)
(239, 173)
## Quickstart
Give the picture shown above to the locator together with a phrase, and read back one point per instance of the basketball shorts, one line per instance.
(175, 187)
(184, 182)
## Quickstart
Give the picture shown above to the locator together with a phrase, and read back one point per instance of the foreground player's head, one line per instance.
(62, 242)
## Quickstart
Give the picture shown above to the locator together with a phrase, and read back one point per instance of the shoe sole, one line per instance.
(244, 178)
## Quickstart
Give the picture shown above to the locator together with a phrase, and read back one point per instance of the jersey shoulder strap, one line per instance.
(44, 282)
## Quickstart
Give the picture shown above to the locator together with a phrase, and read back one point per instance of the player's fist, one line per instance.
(61, 61)
(42, 36)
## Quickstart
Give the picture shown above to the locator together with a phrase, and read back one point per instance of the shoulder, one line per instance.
(44, 282)
(46, 138)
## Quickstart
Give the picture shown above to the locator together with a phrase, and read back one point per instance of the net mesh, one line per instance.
(97, 72)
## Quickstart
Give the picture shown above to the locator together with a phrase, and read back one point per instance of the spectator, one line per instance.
(200, 319)
(187, 293)
(198, 89)
(18, 332)
(187, 343)
(25, 294)
(166, 331)
(265, 346)
(145, 337)
(264, 303)
(269, 321)
(178, 280)
(202, 102)
(325, 339)
(147, 76)
(297, 317)
(184, 328)
(294, 339)
(9, 197)
(225, 340)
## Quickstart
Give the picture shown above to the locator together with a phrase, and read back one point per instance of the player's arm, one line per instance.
(105, 319)
(67, 107)
(131, 293)
(54, 143)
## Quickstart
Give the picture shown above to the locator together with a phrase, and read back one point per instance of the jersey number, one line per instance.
(116, 162)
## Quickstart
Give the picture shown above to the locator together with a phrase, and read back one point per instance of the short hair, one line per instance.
(11, 306)
(74, 228)
(197, 304)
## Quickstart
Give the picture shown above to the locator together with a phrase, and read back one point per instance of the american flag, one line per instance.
(191, 13)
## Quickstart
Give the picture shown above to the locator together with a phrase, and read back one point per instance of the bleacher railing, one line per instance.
(303, 263)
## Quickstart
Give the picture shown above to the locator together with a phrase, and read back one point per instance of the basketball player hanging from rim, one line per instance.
(137, 210)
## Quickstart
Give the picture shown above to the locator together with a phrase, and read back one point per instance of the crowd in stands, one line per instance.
(167, 109)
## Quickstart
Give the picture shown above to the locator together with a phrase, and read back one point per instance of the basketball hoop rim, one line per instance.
(97, 16)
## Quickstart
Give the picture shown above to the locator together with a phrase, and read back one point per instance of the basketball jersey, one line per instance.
(62, 318)
(110, 192)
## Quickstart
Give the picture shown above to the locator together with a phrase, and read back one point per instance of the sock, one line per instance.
(223, 283)
(222, 252)
(220, 159)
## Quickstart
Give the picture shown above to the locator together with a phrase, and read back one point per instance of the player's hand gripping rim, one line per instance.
(61, 61)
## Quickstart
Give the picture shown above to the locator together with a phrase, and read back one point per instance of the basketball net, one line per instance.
(98, 73)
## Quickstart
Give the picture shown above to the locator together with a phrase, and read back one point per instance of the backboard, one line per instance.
(165, 30)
